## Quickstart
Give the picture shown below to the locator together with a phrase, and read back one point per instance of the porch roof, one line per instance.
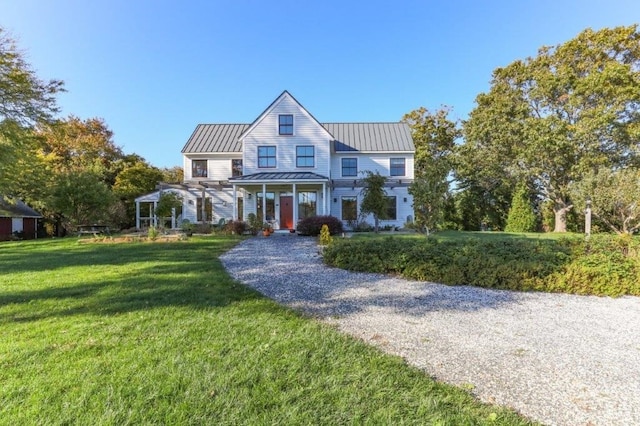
(286, 177)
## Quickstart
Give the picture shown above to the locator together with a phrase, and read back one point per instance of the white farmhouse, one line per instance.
(286, 166)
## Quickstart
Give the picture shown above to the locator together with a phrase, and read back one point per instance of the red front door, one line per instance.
(286, 212)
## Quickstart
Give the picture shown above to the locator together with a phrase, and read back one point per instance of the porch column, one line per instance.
(155, 216)
(233, 204)
(137, 214)
(203, 209)
(264, 202)
(173, 217)
(324, 198)
(295, 207)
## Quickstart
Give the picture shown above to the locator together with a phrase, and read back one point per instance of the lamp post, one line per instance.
(587, 218)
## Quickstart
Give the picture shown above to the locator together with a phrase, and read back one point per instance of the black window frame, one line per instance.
(285, 124)
(236, 167)
(266, 156)
(300, 157)
(395, 169)
(392, 206)
(197, 172)
(354, 168)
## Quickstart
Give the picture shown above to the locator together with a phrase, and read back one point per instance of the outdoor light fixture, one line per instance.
(335, 200)
(405, 199)
(249, 195)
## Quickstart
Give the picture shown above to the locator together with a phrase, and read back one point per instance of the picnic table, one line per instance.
(94, 230)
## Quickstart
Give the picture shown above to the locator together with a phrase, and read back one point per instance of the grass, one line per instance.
(157, 333)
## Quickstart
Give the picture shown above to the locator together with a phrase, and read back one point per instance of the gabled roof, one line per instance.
(284, 95)
(215, 138)
(366, 137)
(371, 137)
(17, 209)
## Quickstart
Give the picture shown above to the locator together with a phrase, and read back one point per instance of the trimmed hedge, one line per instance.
(604, 266)
(312, 225)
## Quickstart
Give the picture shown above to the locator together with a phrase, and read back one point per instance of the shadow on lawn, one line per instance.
(191, 276)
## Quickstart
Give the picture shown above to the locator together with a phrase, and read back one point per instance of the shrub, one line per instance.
(325, 236)
(521, 216)
(312, 225)
(253, 223)
(202, 228)
(153, 233)
(236, 227)
(605, 266)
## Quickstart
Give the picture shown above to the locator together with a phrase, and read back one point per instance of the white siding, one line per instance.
(403, 209)
(306, 132)
(218, 165)
(375, 162)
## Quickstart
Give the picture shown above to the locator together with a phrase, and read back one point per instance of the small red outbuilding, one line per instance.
(17, 220)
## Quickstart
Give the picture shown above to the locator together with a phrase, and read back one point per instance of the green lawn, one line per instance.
(157, 333)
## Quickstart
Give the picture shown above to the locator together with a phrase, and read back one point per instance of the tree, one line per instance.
(434, 137)
(79, 145)
(24, 98)
(614, 196)
(135, 180)
(521, 218)
(80, 197)
(374, 198)
(24, 101)
(173, 174)
(554, 118)
(167, 203)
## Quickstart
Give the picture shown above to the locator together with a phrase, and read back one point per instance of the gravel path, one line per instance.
(559, 359)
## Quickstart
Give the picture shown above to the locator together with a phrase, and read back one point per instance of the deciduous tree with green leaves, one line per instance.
(434, 136)
(374, 198)
(25, 100)
(614, 196)
(554, 118)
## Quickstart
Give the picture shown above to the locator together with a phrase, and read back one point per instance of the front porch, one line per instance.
(282, 199)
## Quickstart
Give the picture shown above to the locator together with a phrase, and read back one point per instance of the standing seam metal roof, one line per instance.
(369, 137)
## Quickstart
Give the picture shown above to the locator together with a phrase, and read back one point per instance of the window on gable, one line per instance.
(304, 156)
(285, 124)
(236, 168)
(266, 156)
(349, 167)
(391, 208)
(397, 167)
(198, 168)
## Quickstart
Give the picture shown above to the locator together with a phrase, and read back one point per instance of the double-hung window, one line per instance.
(285, 124)
(198, 168)
(236, 167)
(391, 208)
(397, 167)
(266, 156)
(349, 167)
(304, 156)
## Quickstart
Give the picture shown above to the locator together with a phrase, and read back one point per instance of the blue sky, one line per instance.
(153, 70)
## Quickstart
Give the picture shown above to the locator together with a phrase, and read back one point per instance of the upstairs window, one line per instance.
(198, 168)
(266, 156)
(304, 156)
(236, 168)
(397, 167)
(349, 167)
(285, 124)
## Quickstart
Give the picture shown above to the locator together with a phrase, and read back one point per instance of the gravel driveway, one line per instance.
(558, 359)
